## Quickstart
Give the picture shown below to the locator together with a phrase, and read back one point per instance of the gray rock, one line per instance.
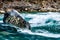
(14, 18)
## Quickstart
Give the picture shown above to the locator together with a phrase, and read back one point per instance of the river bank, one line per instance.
(33, 6)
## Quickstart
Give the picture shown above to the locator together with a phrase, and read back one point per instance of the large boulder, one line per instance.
(13, 17)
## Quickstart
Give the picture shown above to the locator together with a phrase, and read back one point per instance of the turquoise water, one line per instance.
(44, 26)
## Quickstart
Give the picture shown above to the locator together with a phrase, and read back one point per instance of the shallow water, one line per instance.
(44, 26)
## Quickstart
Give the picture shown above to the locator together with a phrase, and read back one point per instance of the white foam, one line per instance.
(42, 34)
(31, 15)
(38, 20)
(42, 18)
(1, 21)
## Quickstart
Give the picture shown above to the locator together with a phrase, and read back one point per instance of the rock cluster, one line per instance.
(34, 5)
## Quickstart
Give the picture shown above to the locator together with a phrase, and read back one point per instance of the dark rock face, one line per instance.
(14, 18)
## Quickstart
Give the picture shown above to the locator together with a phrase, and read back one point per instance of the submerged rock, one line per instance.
(7, 28)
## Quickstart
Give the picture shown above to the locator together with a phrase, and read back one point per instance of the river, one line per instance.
(44, 26)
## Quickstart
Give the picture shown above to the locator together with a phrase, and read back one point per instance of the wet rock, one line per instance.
(13, 17)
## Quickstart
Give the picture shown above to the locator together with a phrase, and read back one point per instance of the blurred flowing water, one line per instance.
(44, 26)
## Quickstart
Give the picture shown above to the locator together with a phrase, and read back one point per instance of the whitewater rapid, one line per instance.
(40, 19)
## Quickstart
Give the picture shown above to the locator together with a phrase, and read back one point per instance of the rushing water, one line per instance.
(44, 26)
